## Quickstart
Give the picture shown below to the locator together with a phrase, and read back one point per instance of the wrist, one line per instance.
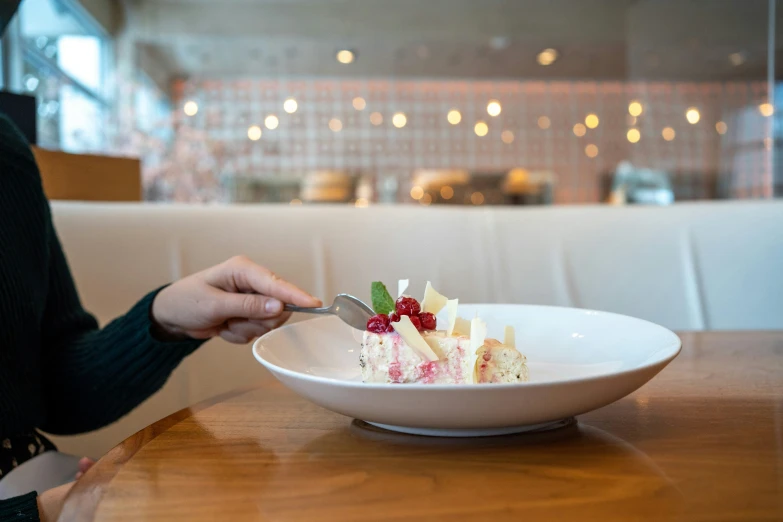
(161, 329)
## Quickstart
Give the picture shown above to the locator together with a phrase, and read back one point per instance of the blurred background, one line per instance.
(443, 102)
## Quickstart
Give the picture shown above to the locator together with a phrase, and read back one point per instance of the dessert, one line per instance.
(402, 344)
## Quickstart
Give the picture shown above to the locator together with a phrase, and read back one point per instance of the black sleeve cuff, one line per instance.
(20, 509)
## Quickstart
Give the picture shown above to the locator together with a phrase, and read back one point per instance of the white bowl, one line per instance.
(579, 360)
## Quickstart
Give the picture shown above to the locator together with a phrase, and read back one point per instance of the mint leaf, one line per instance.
(382, 301)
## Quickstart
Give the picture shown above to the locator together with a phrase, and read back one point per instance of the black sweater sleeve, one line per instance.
(95, 376)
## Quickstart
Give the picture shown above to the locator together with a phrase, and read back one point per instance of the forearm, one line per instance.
(96, 376)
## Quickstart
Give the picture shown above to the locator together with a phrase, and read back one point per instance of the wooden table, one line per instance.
(702, 441)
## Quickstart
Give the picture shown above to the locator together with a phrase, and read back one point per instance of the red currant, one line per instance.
(394, 317)
(378, 323)
(416, 322)
(408, 306)
(428, 321)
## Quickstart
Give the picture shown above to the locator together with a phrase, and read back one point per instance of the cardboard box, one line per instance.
(86, 177)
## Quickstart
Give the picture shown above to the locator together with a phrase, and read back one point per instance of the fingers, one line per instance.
(240, 331)
(229, 305)
(240, 274)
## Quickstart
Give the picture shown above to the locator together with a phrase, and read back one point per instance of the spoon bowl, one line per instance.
(351, 310)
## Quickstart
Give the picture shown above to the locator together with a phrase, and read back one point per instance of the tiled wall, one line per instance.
(698, 155)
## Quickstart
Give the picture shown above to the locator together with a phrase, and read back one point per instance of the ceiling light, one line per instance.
(547, 56)
(345, 56)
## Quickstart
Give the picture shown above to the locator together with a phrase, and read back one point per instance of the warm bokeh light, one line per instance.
(635, 108)
(454, 116)
(547, 56)
(692, 115)
(481, 128)
(633, 135)
(477, 198)
(417, 192)
(399, 120)
(190, 108)
(361, 203)
(254, 132)
(359, 104)
(345, 56)
(335, 125)
(668, 133)
(766, 109)
(494, 108)
(376, 118)
(592, 121)
(721, 127)
(426, 199)
(591, 151)
(768, 143)
(296, 201)
(290, 105)
(446, 192)
(544, 122)
(507, 136)
(579, 130)
(271, 122)
(737, 59)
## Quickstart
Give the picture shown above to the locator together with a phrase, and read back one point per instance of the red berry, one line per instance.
(378, 323)
(416, 322)
(394, 317)
(408, 306)
(428, 321)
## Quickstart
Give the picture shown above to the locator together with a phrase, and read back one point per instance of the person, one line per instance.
(62, 374)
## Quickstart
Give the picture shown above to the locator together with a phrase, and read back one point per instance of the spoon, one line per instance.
(351, 310)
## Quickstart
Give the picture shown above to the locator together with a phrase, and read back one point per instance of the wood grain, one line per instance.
(702, 441)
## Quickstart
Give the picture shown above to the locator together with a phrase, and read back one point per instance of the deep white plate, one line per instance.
(579, 360)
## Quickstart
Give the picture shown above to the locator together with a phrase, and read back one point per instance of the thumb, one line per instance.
(247, 306)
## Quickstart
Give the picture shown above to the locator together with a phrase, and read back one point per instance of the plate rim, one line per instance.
(675, 346)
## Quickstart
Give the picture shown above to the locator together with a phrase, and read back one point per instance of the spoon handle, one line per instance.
(305, 310)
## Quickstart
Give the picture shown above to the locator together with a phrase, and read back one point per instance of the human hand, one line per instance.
(237, 300)
(50, 502)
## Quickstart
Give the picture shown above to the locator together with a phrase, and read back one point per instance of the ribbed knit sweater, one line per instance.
(58, 371)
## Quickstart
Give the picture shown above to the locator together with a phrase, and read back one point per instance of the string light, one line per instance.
(454, 116)
(376, 118)
(335, 125)
(507, 136)
(668, 133)
(579, 130)
(544, 122)
(591, 151)
(481, 129)
(290, 106)
(417, 192)
(633, 135)
(692, 115)
(446, 192)
(766, 109)
(592, 121)
(271, 122)
(359, 104)
(190, 108)
(254, 132)
(721, 127)
(477, 198)
(494, 108)
(399, 120)
(635, 108)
